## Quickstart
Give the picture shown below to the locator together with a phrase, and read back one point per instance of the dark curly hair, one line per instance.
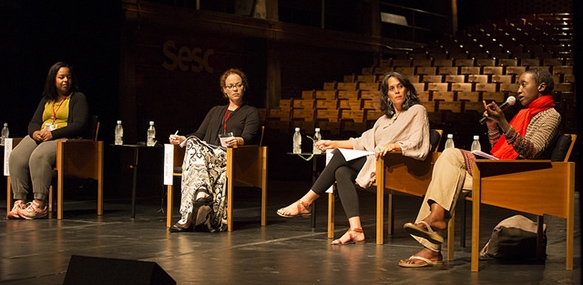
(411, 98)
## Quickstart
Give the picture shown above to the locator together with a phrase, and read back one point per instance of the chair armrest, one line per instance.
(80, 158)
(247, 163)
(525, 185)
(404, 174)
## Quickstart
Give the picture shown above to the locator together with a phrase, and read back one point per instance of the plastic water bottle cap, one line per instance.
(119, 122)
(297, 129)
(317, 129)
(450, 136)
(476, 137)
(151, 123)
(6, 124)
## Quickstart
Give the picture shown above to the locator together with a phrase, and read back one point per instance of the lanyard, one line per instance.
(226, 117)
(57, 110)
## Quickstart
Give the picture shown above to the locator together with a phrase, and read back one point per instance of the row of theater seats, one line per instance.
(531, 36)
(354, 101)
(452, 74)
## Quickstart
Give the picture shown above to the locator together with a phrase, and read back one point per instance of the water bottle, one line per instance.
(449, 142)
(151, 139)
(317, 137)
(297, 141)
(118, 133)
(476, 144)
(5, 133)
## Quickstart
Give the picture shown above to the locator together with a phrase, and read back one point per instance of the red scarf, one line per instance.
(520, 122)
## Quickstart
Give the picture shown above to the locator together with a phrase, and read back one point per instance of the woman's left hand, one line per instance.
(45, 135)
(232, 142)
(382, 150)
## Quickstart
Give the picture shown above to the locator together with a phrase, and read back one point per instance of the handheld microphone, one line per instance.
(510, 101)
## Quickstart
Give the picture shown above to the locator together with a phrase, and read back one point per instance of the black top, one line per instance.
(243, 122)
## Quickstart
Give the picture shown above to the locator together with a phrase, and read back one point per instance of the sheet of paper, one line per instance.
(7, 150)
(349, 154)
(168, 163)
(484, 155)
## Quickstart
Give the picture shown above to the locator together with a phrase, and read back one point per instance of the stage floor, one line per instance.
(286, 251)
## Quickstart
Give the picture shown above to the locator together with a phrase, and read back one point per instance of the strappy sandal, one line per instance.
(427, 233)
(301, 206)
(351, 240)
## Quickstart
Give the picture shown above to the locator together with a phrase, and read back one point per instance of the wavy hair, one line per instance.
(411, 96)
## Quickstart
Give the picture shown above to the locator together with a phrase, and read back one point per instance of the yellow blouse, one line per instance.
(56, 114)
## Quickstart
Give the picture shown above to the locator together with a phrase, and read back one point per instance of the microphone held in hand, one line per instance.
(510, 101)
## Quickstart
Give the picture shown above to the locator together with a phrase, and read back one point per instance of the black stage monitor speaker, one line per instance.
(96, 270)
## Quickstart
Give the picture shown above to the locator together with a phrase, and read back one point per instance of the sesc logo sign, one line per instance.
(185, 58)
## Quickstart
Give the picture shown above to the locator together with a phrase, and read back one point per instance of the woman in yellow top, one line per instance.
(61, 114)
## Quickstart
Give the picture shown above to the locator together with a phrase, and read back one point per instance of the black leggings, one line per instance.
(344, 174)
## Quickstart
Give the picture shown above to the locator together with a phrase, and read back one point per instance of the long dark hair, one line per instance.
(50, 91)
(411, 97)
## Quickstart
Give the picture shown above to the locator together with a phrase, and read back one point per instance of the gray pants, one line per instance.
(34, 160)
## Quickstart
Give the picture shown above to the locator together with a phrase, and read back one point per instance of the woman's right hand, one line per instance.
(37, 136)
(325, 144)
(176, 139)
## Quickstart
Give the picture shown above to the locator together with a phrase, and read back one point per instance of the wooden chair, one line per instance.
(443, 62)
(523, 185)
(464, 62)
(468, 70)
(499, 70)
(246, 166)
(485, 87)
(443, 96)
(485, 61)
(448, 70)
(530, 62)
(76, 158)
(432, 79)
(461, 87)
(439, 87)
(515, 70)
(478, 78)
(397, 174)
(507, 62)
(455, 78)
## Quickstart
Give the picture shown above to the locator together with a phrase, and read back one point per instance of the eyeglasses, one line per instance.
(238, 85)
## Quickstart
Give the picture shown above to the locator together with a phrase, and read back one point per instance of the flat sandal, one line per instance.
(300, 204)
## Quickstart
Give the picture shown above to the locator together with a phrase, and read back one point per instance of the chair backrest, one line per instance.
(435, 138)
(262, 133)
(93, 131)
(563, 147)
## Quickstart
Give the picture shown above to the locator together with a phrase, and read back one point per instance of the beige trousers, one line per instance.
(449, 177)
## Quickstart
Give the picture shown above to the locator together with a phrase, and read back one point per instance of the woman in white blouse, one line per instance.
(403, 128)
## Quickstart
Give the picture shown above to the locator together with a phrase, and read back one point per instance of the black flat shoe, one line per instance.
(179, 229)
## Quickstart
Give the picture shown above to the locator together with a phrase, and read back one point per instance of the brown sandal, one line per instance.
(351, 240)
(301, 206)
